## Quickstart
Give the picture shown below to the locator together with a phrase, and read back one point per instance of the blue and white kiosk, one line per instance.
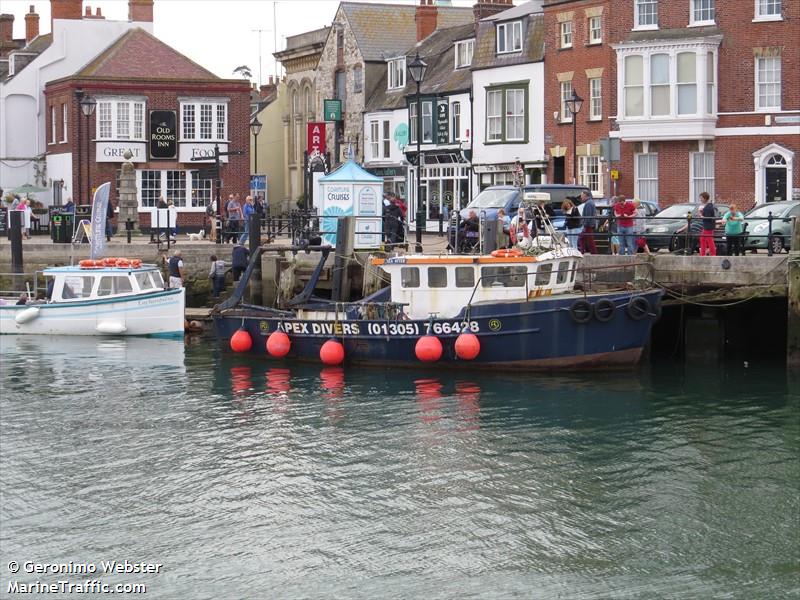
(351, 191)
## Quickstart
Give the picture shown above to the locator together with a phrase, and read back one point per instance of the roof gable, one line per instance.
(139, 55)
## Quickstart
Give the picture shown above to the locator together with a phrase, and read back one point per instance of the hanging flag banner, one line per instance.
(97, 243)
(315, 139)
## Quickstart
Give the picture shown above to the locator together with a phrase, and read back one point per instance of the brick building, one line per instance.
(162, 107)
(702, 95)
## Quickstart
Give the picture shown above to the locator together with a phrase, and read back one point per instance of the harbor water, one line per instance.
(242, 478)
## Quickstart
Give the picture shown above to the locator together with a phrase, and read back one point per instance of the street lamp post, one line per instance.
(77, 191)
(417, 69)
(255, 129)
(574, 104)
(88, 104)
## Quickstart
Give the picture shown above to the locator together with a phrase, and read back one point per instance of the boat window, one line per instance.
(543, 274)
(409, 277)
(503, 276)
(158, 280)
(114, 284)
(572, 266)
(437, 277)
(465, 277)
(77, 286)
(144, 281)
(563, 271)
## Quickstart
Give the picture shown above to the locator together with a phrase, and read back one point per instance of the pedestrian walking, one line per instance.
(707, 245)
(247, 211)
(734, 231)
(586, 240)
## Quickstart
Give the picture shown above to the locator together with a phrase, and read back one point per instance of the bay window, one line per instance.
(494, 118)
(515, 115)
(659, 85)
(120, 119)
(212, 124)
(506, 116)
(634, 86)
(687, 83)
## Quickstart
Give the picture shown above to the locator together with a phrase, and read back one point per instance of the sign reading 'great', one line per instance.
(163, 134)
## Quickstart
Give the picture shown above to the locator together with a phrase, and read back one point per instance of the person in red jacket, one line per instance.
(624, 212)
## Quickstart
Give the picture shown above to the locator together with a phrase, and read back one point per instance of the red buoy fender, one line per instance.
(468, 346)
(278, 344)
(241, 341)
(332, 353)
(428, 348)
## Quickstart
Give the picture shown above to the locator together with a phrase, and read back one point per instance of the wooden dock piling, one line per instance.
(793, 296)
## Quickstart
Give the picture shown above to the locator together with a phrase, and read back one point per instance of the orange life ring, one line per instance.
(123, 262)
(86, 264)
(136, 263)
(507, 253)
(109, 262)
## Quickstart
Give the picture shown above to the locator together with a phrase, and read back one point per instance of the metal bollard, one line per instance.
(129, 229)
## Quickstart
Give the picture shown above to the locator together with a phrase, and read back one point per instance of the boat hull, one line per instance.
(539, 334)
(158, 313)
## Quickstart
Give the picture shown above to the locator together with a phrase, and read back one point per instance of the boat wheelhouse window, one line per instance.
(543, 274)
(77, 286)
(144, 281)
(513, 276)
(409, 277)
(437, 277)
(465, 277)
(563, 271)
(114, 284)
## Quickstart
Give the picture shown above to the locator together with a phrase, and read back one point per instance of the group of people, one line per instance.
(394, 218)
(240, 256)
(236, 216)
(733, 220)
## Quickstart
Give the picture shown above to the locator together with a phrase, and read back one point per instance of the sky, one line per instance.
(220, 35)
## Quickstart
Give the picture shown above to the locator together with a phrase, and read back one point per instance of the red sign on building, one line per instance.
(316, 138)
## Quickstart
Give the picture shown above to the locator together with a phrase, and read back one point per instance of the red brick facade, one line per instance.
(738, 128)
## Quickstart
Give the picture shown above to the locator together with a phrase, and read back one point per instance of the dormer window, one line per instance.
(464, 52)
(509, 37)
(396, 77)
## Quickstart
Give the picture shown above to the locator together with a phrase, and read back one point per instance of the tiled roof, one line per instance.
(486, 56)
(387, 30)
(138, 54)
(441, 77)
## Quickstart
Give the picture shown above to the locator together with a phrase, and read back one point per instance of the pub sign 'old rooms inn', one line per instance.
(169, 124)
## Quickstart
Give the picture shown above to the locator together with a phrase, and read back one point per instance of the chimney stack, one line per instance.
(267, 89)
(425, 17)
(6, 29)
(140, 10)
(31, 25)
(65, 9)
(481, 10)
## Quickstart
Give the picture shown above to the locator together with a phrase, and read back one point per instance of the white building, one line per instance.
(74, 41)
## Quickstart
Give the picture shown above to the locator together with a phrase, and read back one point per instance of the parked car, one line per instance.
(757, 220)
(668, 228)
(606, 227)
(508, 197)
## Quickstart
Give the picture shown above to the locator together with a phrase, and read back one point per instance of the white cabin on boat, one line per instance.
(445, 284)
(75, 284)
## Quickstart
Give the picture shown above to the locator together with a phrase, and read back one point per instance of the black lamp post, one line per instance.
(88, 104)
(255, 129)
(417, 69)
(77, 190)
(574, 104)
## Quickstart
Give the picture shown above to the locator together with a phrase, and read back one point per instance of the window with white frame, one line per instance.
(634, 86)
(702, 12)
(427, 122)
(595, 99)
(396, 78)
(589, 170)
(768, 9)
(710, 83)
(566, 34)
(379, 139)
(659, 85)
(494, 115)
(464, 51)
(509, 37)
(183, 188)
(52, 124)
(204, 120)
(515, 115)
(702, 174)
(646, 177)
(595, 29)
(64, 121)
(645, 14)
(455, 121)
(566, 94)
(386, 142)
(120, 119)
(687, 83)
(375, 141)
(768, 83)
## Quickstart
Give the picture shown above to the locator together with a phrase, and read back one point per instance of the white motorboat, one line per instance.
(100, 297)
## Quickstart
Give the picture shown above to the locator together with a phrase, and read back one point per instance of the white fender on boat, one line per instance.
(29, 314)
(111, 327)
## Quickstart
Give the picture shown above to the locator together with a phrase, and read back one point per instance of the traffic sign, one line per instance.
(332, 109)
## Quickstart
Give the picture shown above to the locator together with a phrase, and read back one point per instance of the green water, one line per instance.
(251, 480)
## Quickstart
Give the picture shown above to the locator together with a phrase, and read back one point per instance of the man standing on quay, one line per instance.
(624, 212)
(586, 240)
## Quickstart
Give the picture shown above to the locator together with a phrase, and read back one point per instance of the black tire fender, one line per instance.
(581, 311)
(604, 310)
(638, 308)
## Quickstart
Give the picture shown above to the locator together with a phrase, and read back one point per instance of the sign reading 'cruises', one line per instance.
(163, 134)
